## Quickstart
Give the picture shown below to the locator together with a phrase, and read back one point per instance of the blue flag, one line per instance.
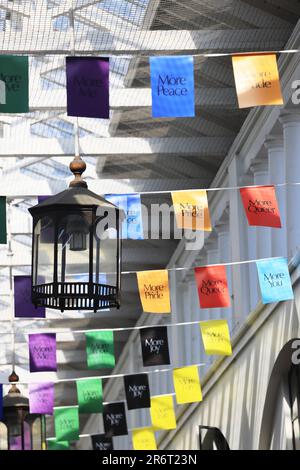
(172, 84)
(274, 280)
(132, 226)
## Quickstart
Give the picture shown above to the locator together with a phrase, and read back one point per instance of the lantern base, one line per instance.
(75, 296)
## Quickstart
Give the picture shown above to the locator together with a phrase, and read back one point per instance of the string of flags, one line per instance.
(154, 290)
(190, 207)
(256, 78)
(100, 351)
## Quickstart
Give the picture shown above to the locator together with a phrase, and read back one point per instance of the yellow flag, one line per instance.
(162, 412)
(257, 80)
(154, 291)
(216, 337)
(143, 439)
(187, 385)
(191, 210)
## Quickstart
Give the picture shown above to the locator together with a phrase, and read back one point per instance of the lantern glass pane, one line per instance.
(105, 251)
(37, 434)
(73, 249)
(43, 252)
(3, 437)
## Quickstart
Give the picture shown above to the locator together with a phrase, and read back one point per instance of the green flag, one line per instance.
(53, 444)
(66, 423)
(14, 84)
(3, 237)
(100, 349)
(89, 393)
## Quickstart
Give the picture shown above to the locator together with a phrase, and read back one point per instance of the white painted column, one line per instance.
(276, 157)
(222, 230)
(261, 177)
(291, 134)
(213, 258)
(238, 240)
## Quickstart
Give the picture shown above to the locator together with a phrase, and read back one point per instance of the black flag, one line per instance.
(155, 348)
(137, 391)
(114, 419)
(102, 442)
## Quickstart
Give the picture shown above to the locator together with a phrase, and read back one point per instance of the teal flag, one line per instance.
(274, 280)
(89, 393)
(14, 94)
(53, 444)
(3, 232)
(100, 349)
(66, 423)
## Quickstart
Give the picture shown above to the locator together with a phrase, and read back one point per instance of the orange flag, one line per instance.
(261, 206)
(212, 286)
(191, 210)
(154, 291)
(257, 80)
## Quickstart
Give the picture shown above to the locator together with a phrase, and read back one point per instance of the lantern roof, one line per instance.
(74, 196)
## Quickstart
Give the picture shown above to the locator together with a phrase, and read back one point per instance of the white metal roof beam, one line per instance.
(134, 98)
(139, 42)
(94, 146)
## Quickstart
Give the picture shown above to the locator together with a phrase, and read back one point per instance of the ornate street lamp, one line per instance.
(76, 249)
(25, 431)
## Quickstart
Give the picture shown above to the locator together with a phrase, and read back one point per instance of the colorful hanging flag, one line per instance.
(187, 385)
(172, 85)
(191, 210)
(114, 419)
(90, 396)
(257, 80)
(1, 402)
(41, 398)
(42, 352)
(24, 308)
(53, 444)
(66, 423)
(216, 337)
(261, 206)
(102, 442)
(14, 84)
(212, 286)
(143, 439)
(154, 291)
(88, 87)
(162, 412)
(3, 231)
(137, 391)
(100, 349)
(132, 225)
(274, 280)
(155, 346)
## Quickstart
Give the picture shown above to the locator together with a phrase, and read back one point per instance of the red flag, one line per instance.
(212, 286)
(261, 206)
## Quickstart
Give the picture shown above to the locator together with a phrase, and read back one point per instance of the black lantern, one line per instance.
(25, 431)
(76, 250)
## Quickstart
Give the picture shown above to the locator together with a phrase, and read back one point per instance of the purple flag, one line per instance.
(41, 398)
(42, 352)
(88, 87)
(23, 306)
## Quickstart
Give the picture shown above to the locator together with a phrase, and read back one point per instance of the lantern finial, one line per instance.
(13, 378)
(77, 166)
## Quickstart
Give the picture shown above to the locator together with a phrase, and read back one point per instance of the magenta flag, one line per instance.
(42, 352)
(23, 305)
(41, 398)
(88, 87)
